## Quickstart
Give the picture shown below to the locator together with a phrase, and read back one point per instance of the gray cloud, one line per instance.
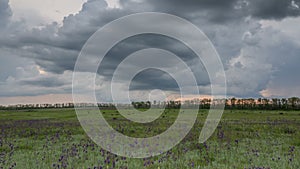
(220, 11)
(53, 47)
(253, 55)
(130, 45)
(43, 82)
(150, 78)
(5, 12)
(274, 9)
(267, 57)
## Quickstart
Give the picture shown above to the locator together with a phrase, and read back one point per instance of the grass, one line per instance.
(53, 138)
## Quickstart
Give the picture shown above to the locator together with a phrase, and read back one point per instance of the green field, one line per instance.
(53, 138)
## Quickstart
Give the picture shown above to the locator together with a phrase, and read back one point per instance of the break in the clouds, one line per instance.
(255, 39)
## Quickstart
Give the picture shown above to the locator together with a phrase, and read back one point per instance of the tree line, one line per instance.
(292, 103)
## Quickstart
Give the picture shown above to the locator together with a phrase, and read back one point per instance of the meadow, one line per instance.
(53, 138)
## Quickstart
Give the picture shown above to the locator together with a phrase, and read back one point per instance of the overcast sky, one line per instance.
(258, 42)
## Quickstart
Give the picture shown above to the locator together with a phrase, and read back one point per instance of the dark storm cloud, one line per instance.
(274, 9)
(184, 7)
(149, 78)
(213, 10)
(53, 59)
(55, 47)
(220, 11)
(135, 43)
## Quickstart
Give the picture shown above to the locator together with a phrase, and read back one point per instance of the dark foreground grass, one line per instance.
(53, 138)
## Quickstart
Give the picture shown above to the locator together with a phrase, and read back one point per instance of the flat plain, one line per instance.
(53, 138)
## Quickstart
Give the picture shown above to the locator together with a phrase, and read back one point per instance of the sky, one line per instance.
(258, 43)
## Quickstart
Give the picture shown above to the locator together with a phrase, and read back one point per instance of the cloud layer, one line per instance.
(260, 57)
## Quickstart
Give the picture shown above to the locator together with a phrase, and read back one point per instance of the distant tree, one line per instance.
(275, 103)
(232, 101)
(284, 103)
(148, 104)
(252, 103)
(293, 101)
(266, 102)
